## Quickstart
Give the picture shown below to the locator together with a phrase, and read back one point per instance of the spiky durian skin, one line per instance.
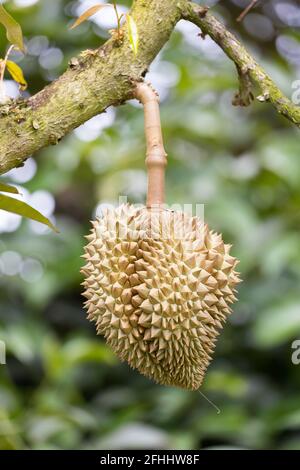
(159, 286)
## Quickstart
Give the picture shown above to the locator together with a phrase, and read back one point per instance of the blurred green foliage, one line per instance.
(62, 387)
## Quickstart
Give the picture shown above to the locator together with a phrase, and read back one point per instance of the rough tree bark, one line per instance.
(107, 76)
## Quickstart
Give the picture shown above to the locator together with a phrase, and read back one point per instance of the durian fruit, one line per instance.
(158, 283)
(159, 286)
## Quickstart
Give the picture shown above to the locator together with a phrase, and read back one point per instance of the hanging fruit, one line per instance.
(159, 284)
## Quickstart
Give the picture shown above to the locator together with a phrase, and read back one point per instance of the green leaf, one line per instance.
(21, 208)
(133, 33)
(279, 323)
(16, 73)
(8, 189)
(88, 13)
(13, 29)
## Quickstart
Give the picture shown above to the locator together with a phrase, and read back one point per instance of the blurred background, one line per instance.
(62, 387)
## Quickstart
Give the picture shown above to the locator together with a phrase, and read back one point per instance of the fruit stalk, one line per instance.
(156, 160)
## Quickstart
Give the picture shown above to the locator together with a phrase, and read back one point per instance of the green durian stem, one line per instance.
(156, 160)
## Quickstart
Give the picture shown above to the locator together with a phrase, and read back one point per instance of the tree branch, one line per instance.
(95, 80)
(108, 75)
(245, 63)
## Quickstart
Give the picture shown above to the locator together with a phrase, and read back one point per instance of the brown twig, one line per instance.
(156, 160)
(251, 5)
(119, 17)
(244, 96)
(3, 97)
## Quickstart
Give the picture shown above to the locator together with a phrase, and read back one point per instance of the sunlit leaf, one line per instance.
(21, 208)
(16, 73)
(133, 33)
(8, 189)
(88, 13)
(13, 29)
